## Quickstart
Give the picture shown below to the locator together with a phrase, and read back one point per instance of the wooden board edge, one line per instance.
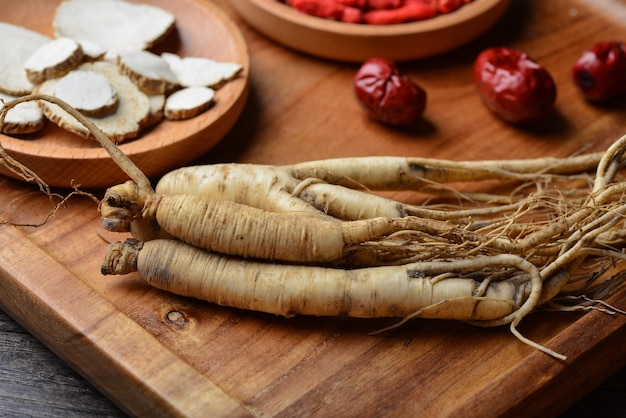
(119, 357)
(594, 345)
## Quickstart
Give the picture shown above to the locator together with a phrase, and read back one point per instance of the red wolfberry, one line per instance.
(407, 13)
(431, 3)
(359, 4)
(513, 86)
(449, 6)
(383, 4)
(352, 15)
(388, 95)
(377, 12)
(328, 9)
(600, 72)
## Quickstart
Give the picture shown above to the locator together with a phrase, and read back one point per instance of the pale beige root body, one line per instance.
(232, 228)
(287, 290)
(260, 186)
(370, 173)
(412, 173)
(341, 187)
(544, 242)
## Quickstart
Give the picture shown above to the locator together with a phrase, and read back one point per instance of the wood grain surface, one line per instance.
(35, 382)
(156, 354)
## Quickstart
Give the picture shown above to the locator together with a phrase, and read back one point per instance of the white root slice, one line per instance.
(17, 44)
(54, 59)
(91, 51)
(124, 124)
(199, 71)
(113, 24)
(188, 102)
(89, 92)
(25, 118)
(157, 107)
(149, 71)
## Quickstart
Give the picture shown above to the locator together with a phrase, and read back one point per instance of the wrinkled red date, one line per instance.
(387, 94)
(513, 86)
(600, 72)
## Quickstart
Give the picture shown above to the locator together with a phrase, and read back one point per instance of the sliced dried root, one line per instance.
(54, 59)
(149, 71)
(126, 123)
(188, 102)
(89, 92)
(201, 72)
(91, 51)
(24, 118)
(17, 44)
(114, 25)
(157, 106)
(93, 31)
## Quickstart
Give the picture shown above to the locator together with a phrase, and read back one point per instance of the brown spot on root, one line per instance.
(417, 169)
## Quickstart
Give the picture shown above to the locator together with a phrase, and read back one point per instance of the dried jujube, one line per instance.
(387, 94)
(600, 72)
(513, 86)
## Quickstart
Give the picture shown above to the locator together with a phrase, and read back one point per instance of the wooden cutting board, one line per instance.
(156, 354)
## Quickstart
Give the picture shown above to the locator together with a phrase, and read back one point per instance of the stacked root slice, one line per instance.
(100, 64)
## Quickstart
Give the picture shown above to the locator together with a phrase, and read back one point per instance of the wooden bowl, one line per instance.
(356, 43)
(59, 157)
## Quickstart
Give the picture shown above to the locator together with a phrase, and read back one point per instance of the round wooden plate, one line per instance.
(355, 43)
(60, 157)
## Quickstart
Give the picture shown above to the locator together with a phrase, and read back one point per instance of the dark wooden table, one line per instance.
(35, 382)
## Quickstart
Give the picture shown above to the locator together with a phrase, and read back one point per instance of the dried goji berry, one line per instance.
(359, 4)
(384, 4)
(376, 12)
(449, 6)
(407, 13)
(327, 9)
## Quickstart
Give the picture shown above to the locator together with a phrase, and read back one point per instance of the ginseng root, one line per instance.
(372, 292)
(334, 186)
(235, 229)
(487, 255)
(506, 289)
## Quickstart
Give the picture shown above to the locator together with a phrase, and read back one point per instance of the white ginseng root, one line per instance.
(435, 290)
(533, 243)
